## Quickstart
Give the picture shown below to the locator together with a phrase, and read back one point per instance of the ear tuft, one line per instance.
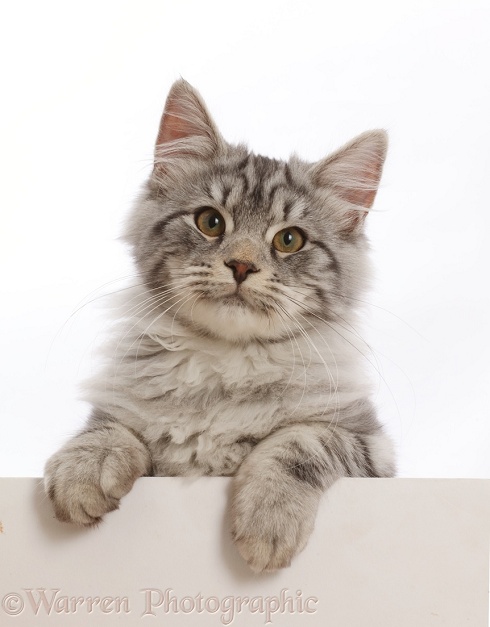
(186, 127)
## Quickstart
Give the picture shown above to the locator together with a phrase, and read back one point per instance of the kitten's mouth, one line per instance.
(232, 296)
(235, 297)
(238, 297)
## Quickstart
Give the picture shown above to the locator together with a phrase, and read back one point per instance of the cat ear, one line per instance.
(186, 128)
(353, 172)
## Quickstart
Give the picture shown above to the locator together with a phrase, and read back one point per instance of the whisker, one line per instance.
(133, 311)
(141, 335)
(171, 328)
(175, 313)
(332, 327)
(199, 295)
(81, 305)
(154, 299)
(304, 368)
(336, 413)
(375, 366)
(327, 369)
(391, 313)
(153, 303)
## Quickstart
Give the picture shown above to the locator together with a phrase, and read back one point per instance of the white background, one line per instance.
(83, 86)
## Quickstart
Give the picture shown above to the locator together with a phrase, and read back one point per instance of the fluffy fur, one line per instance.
(261, 377)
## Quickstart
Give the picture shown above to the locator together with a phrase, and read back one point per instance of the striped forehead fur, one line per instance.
(257, 197)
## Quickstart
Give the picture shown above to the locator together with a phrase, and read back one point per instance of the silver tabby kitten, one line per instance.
(237, 353)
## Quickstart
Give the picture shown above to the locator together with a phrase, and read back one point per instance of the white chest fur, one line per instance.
(197, 396)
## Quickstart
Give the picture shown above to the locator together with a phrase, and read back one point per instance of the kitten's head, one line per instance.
(244, 247)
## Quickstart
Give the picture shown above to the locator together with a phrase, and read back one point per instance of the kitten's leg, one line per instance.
(278, 487)
(88, 476)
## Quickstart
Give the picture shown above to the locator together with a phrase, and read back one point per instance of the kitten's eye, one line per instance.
(210, 222)
(289, 240)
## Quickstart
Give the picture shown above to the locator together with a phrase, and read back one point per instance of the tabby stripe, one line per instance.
(305, 467)
(241, 165)
(154, 273)
(333, 450)
(272, 193)
(262, 170)
(246, 184)
(104, 423)
(298, 188)
(258, 193)
(334, 264)
(226, 193)
(287, 174)
(158, 228)
(368, 466)
(248, 440)
(288, 205)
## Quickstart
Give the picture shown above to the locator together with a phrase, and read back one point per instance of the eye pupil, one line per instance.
(210, 222)
(289, 240)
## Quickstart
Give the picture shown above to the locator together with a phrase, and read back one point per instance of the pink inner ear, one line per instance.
(174, 124)
(186, 129)
(364, 197)
(360, 197)
(354, 221)
(354, 171)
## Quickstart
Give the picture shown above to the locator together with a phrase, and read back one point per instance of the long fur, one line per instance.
(265, 380)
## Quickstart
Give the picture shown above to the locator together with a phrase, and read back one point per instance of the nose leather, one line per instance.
(241, 269)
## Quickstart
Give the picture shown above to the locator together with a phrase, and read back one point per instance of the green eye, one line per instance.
(289, 240)
(210, 222)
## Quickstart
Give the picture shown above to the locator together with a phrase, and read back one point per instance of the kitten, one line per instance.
(237, 352)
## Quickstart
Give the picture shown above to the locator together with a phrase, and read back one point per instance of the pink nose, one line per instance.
(241, 269)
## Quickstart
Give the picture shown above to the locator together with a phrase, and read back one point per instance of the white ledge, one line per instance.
(384, 553)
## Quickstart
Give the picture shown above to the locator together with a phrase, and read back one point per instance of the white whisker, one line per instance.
(290, 334)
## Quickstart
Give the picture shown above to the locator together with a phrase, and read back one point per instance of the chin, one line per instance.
(234, 320)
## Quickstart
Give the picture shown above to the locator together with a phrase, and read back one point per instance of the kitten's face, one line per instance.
(244, 247)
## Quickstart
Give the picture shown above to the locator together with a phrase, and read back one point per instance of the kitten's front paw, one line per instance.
(270, 525)
(86, 483)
